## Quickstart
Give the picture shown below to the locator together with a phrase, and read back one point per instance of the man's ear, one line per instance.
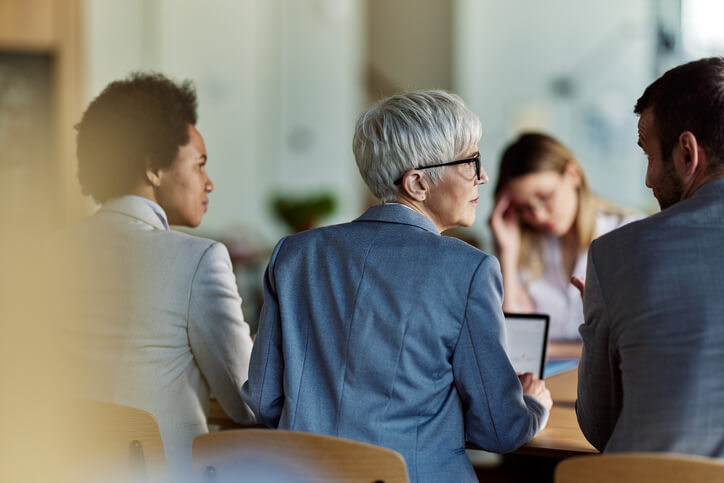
(415, 185)
(689, 158)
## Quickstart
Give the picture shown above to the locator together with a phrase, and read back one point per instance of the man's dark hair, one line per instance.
(689, 97)
(138, 120)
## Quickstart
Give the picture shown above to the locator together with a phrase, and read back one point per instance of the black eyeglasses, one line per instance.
(476, 160)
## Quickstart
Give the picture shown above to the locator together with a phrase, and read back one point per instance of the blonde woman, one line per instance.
(544, 219)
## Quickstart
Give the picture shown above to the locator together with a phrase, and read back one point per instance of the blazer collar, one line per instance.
(135, 208)
(397, 213)
(709, 187)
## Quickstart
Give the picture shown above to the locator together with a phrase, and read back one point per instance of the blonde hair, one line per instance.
(535, 153)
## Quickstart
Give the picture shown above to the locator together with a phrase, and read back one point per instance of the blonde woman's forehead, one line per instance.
(529, 186)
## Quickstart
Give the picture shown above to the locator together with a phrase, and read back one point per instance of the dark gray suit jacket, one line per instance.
(652, 373)
(383, 331)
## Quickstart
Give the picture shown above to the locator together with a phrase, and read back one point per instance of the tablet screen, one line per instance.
(527, 336)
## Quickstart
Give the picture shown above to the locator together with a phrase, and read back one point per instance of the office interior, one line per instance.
(280, 85)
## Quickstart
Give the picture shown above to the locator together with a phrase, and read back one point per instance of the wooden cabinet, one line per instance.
(33, 32)
(28, 24)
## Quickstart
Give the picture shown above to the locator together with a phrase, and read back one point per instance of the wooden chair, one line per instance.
(640, 468)
(119, 443)
(262, 455)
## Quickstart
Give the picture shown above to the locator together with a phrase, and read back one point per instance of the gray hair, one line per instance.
(404, 131)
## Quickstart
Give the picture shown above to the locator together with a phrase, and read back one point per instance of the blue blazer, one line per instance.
(383, 331)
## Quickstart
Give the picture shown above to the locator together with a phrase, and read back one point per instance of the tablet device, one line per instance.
(527, 337)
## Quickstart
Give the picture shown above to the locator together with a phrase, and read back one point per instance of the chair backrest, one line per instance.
(640, 468)
(119, 443)
(287, 456)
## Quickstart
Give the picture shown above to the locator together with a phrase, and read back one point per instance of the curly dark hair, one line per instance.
(689, 97)
(138, 120)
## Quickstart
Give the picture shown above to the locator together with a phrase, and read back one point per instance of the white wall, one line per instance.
(279, 85)
(508, 56)
(322, 96)
(115, 41)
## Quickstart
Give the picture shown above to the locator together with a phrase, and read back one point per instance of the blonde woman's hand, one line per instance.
(506, 231)
(579, 283)
(505, 225)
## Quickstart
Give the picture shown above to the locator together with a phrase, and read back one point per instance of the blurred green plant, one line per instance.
(303, 212)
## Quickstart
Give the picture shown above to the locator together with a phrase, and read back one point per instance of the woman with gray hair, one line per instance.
(383, 331)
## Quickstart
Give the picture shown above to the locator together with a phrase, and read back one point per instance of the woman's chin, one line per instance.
(467, 222)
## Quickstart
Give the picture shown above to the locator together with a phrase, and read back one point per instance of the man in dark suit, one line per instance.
(650, 376)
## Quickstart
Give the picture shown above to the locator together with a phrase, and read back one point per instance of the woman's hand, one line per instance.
(536, 387)
(505, 225)
(579, 283)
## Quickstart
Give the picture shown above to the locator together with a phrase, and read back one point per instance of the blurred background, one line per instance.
(281, 84)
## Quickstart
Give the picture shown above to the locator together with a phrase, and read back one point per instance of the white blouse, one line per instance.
(553, 293)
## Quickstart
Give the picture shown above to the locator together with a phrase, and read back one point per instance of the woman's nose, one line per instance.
(483, 176)
(540, 213)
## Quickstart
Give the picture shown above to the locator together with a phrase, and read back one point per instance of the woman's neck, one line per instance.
(419, 207)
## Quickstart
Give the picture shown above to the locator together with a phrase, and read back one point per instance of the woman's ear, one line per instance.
(573, 171)
(153, 174)
(154, 177)
(415, 184)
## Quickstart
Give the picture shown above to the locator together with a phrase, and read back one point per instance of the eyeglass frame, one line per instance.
(476, 159)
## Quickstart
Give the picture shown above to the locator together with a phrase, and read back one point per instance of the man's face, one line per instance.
(661, 174)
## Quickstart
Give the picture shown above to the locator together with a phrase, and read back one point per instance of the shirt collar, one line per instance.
(156, 209)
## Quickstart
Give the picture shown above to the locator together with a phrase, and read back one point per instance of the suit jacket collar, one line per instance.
(397, 213)
(709, 187)
(135, 208)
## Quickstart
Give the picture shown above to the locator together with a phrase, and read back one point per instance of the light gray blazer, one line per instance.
(159, 323)
(651, 377)
(383, 331)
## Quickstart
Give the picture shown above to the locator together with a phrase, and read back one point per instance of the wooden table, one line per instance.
(561, 437)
